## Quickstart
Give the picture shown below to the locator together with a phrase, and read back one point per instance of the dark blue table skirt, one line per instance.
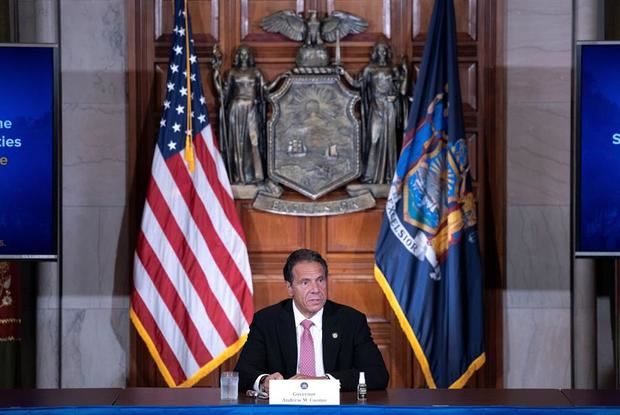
(311, 410)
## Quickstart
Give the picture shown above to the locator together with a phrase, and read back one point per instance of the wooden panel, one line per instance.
(356, 232)
(355, 264)
(385, 352)
(266, 232)
(376, 12)
(268, 266)
(472, 144)
(204, 15)
(272, 70)
(466, 18)
(361, 294)
(469, 85)
(382, 335)
(252, 11)
(468, 78)
(269, 292)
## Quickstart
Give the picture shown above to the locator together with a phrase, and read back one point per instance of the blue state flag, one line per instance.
(427, 257)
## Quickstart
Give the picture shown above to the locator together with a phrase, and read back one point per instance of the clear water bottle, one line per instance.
(362, 389)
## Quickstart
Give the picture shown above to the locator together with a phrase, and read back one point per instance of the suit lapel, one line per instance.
(288, 339)
(331, 337)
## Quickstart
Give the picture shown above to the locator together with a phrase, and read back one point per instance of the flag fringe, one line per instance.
(215, 362)
(151, 347)
(475, 365)
(201, 373)
(404, 324)
(415, 344)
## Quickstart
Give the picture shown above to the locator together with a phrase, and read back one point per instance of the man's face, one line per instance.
(309, 287)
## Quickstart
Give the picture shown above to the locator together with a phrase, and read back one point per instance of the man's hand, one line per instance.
(265, 381)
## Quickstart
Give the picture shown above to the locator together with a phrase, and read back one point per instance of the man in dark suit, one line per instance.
(308, 336)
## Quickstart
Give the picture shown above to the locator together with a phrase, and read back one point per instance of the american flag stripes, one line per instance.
(192, 298)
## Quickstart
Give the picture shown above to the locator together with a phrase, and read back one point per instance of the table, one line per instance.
(29, 398)
(198, 401)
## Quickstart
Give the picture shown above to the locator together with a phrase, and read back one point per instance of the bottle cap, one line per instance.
(362, 378)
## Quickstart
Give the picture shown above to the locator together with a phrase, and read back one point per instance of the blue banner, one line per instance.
(598, 149)
(427, 255)
(27, 159)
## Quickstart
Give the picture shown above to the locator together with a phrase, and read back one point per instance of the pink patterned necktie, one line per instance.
(306, 350)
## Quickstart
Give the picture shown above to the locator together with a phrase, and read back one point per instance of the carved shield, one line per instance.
(313, 134)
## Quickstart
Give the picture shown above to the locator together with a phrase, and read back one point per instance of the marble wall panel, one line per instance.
(94, 255)
(94, 55)
(94, 35)
(538, 154)
(94, 155)
(47, 348)
(102, 86)
(539, 256)
(538, 84)
(114, 254)
(94, 352)
(80, 259)
(537, 348)
(48, 288)
(95, 271)
(538, 138)
(538, 33)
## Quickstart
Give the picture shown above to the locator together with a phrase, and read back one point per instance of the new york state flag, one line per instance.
(427, 258)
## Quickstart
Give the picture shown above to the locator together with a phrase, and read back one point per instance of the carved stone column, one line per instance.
(588, 25)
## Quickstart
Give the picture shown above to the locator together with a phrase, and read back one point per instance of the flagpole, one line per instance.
(189, 150)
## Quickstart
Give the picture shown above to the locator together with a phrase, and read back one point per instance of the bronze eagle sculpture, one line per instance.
(311, 30)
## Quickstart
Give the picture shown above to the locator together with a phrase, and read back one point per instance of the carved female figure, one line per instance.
(383, 90)
(242, 117)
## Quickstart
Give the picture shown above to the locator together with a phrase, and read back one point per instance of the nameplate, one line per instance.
(304, 392)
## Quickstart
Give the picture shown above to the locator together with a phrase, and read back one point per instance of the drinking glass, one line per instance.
(229, 384)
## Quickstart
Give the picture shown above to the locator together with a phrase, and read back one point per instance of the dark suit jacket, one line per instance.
(348, 347)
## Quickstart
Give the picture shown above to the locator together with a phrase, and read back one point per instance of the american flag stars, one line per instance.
(177, 101)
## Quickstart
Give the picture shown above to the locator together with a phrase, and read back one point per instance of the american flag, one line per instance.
(192, 298)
